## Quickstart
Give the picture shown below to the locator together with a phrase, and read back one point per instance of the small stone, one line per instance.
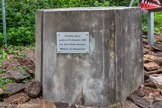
(157, 47)
(158, 54)
(156, 59)
(9, 64)
(151, 66)
(147, 60)
(30, 54)
(17, 98)
(145, 51)
(14, 88)
(157, 80)
(140, 101)
(61, 105)
(150, 92)
(6, 75)
(159, 61)
(18, 75)
(158, 38)
(139, 92)
(33, 88)
(144, 41)
(148, 47)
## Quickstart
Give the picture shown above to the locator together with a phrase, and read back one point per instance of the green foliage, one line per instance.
(3, 55)
(31, 76)
(20, 16)
(1, 39)
(12, 50)
(24, 68)
(5, 81)
(1, 71)
(157, 22)
(115, 106)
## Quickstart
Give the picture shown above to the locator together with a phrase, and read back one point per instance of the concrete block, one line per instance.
(39, 45)
(111, 70)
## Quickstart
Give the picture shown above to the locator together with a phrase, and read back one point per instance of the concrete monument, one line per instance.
(90, 56)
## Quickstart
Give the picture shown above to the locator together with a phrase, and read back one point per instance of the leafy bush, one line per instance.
(20, 16)
(157, 22)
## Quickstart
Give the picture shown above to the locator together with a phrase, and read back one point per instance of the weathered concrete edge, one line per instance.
(118, 88)
(39, 44)
(88, 9)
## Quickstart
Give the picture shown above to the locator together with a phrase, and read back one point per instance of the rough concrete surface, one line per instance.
(108, 73)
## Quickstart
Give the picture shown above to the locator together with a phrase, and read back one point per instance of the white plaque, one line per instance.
(72, 42)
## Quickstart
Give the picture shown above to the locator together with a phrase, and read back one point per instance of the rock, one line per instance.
(6, 75)
(158, 60)
(73, 106)
(9, 64)
(144, 41)
(148, 47)
(31, 71)
(61, 105)
(24, 61)
(151, 66)
(5, 63)
(18, 75)
(149, 84)
(151, 57)
(67, 105)
(37, 103)
(158, 38)
(157, 47)
(33, 88)
(144, 32)
(157, 104)
(1, 91)
(155, 72)
(14, 88)
(146, 76)
(17, 98)
(30, 54)
(10, 56)
(127, 104)
(139, 92)
(150, 92)
(146, 60)
(158, 54)
(140, 101)
(157, 80)
(145, 51)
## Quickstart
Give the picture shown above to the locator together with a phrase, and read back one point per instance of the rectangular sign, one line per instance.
(151, 5)
(72, 42)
